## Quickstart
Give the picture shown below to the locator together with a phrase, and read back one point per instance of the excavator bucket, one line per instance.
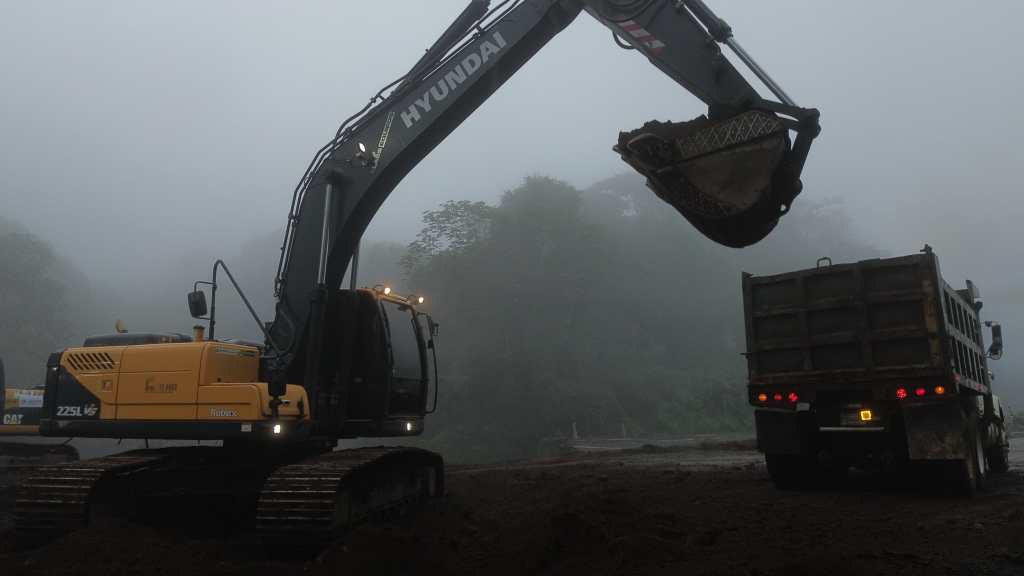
(729, 177)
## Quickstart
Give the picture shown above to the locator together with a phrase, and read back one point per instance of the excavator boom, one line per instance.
(732, 173)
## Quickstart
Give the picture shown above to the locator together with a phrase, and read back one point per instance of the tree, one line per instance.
(454, 227)
(599, 308)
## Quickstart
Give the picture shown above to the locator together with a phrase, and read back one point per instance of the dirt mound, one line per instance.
(608, 516)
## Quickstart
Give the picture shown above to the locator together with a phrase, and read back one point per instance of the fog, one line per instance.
(145, 140)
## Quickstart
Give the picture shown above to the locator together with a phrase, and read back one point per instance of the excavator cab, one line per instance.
(376, 371)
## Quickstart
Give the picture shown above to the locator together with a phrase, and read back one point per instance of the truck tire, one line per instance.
(960, 478)
(981, 464)
(999, 459)
(789, 472)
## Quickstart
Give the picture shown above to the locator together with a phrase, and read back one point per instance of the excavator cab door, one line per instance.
(408, 360)
(375, 378)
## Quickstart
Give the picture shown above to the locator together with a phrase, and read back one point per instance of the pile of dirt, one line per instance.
(615, 515)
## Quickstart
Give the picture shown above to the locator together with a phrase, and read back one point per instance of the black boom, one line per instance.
(732, 173)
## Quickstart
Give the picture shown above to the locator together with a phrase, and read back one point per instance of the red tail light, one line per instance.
(901, 393)
(777, 397)
(920, 392)
(793, 397)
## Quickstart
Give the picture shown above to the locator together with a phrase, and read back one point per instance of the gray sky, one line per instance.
(138, 130)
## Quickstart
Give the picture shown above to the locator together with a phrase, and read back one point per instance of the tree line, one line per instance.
(600, 308)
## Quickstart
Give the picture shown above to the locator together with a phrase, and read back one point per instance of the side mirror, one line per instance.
(995, 350)
(972, 290)
(197, 304)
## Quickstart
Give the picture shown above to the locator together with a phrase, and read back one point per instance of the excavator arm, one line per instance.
(731, 173)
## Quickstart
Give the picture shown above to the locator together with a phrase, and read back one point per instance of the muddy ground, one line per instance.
(681, 511)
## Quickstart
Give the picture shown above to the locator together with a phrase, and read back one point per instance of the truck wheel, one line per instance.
(981, 465)
(960, 477)
(834, 475)
(788, 472)
(999, 459)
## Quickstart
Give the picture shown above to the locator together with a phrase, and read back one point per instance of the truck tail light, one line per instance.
(793, 398)
(777, 397)
(901, 393)
(762, 397)
(940, 390)
(920, 392)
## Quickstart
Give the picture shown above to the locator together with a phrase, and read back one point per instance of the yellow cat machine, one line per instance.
(22, 409)
(20, 444)
(346, 363)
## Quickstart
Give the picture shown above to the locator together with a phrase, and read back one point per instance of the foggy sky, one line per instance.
(132, 133)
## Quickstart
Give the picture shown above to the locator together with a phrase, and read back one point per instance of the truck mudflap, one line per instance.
(781, 432)
(935, 431)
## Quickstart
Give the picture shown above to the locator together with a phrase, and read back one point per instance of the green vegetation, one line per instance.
(601, 308)
(42, 303)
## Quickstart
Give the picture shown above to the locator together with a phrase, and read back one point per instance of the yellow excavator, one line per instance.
(21, 410)
(20, 445)
(341, 363)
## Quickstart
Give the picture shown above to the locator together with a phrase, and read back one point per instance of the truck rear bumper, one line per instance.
(925, 431)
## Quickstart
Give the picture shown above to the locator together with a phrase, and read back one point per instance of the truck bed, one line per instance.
(871, 320)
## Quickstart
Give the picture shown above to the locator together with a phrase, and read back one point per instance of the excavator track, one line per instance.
(58, 498)
(300, 506)
(304, 505)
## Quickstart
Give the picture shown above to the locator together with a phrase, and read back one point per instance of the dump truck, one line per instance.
(878, 364)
